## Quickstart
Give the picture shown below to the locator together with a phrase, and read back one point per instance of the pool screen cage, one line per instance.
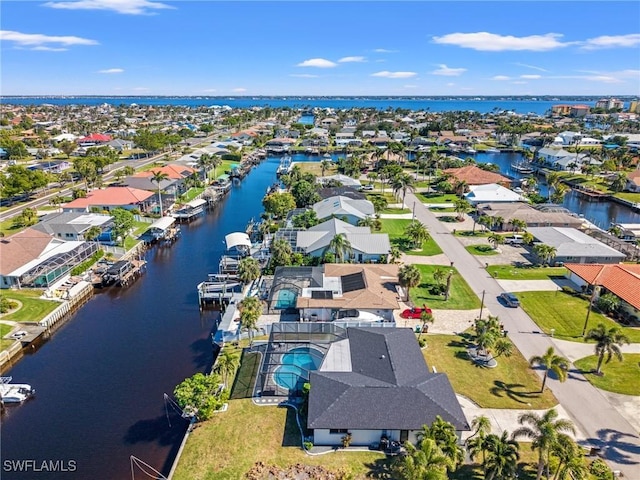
(291, 281)
(288, 336)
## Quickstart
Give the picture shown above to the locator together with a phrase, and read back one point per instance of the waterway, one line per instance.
(100, 381)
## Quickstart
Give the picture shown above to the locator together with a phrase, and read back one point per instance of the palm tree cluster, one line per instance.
(546, 253)
(489, 336)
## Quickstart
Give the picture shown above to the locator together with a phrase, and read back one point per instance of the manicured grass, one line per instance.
(388, 195)
(229, 444)
(632, 197)
(442, 209)
(566, 314)
(316, 169)
(33, 308)
(461, 296)
(246, 375)
(191, 194)
(396, 210)
(512, 384)
(7, 228)
(436, 197)
(509, 272)
(395, 227)
(482, 249)
(619, 377)
(479, 233)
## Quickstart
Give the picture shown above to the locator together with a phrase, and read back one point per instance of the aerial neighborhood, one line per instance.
(449, 292)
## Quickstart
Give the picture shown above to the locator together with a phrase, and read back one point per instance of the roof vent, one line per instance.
(382, 357)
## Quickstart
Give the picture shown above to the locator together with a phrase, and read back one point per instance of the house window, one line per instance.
(338, 431)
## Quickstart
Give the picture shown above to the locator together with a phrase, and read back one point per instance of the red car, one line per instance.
(414, 312)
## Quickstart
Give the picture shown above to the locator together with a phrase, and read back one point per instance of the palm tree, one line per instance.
(215, 162)
(341, 248)
(571, 464)
(402, 183)
(324, 166)
(204, 162)
(248, 270)
(495, 239)
(92, 233)
(543, 430)
(517, 224)
(417, 234)
(619, 182)
(226, 364)
(608, 342)
(158, 177)
(553, 180)
(477, 442)
(250, 310)
(461, 207)
(444, 434)
(502, 457)
(409, 276)
(394, 254)
(424, 463)
(426, 318)
(551, 363)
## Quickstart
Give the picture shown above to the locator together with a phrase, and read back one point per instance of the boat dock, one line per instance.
(190, 210)
(162, 230)
(123, 272)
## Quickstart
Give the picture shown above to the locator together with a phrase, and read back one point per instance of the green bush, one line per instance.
(6, 304)
(569, 290)
(308, 445)
(600, 470)
(84, 266)
(422, 342)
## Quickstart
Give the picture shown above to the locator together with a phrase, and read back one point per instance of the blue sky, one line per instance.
(149, 47)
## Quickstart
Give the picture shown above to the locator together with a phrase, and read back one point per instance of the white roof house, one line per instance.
(343, 179)
(491, 192)
(574, 246)
(343, 206)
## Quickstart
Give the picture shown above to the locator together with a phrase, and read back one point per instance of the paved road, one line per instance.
(602, 425)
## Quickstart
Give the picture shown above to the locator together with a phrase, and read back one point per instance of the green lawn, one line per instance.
(396, 210)
(388, 195)
(512, 384)
(481, 249)
(509, 272)
(191, 194)
(461, 296)
(33, 308)
(7, 228)
(229, 444)
(632, 197)
(566, 314)
(619, 377)
(5, 329)
(436, 197)
(395, 227)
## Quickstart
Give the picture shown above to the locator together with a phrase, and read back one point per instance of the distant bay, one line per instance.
(521, 105)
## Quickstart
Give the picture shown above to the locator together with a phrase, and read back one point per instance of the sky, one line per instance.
(308, 48)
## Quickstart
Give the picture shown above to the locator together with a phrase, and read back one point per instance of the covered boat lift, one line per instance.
(161, 229)
(190, 209)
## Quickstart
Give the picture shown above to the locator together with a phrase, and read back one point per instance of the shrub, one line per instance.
(422, 342)
(6, 304)
(569, 290)
(600, 470)
(308, 445)
(437, 289)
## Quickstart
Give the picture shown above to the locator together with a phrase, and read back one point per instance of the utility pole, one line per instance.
(481, 305)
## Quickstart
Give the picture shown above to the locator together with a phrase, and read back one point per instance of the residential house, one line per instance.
(491, 193)
(375, 384)
(365, 246)
(342, 192)
(73, 225)
(347, 209)
(533, 217)
(171, 188)
(120, 145)
(623, 280)
(340, 178)
(473, 175)
(633, 181)
(111, 198)
(95, 139)
(32, 258)
(574, 246)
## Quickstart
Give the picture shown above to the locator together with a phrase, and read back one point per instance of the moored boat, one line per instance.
(14, 392)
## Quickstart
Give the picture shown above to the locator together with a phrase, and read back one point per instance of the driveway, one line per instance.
(591, 411)
(535, 285)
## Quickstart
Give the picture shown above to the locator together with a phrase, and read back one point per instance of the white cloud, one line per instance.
(448, 72)
(111, 70)
(384, 50)
(533, 67)
(612, 41)
(501, 78)
(352, 60)
(127, 7)
(303, 75)
(239, 90)
(531, 77)
(318, 62)
(41, 42)
(491, 42)
(387, 74)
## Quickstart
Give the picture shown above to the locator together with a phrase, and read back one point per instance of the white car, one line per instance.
(19, 334)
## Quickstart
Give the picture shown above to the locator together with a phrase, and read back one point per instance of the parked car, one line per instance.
(366, 187)
(514, 240)
(414, 312)
(18, 335)
(510, 300)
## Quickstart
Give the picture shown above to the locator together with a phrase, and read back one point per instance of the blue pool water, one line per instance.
(295, 368)
(286, 299)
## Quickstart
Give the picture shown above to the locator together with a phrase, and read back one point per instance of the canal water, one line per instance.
(100, 381)
(600, 213)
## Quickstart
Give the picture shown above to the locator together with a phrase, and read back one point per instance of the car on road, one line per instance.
(366, 187)
(415, 312)
(510, 300)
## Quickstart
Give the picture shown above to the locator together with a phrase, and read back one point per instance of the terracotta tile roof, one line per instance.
(111, 196)
(175, 172)
(476, 176)
(379, 292)
(95, 137)
(620, 279)
(19, 249)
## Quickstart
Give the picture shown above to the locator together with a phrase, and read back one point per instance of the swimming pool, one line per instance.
(296, 365)
(286, 299)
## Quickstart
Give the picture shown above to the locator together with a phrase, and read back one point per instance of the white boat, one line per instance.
(14, 392)
(522, 167)
(470, 150)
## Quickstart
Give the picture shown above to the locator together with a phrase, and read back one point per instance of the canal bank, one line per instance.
(100, 384)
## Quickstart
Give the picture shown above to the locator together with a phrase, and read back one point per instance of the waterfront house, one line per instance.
(574, 246)
(341, 191)
(345, 180)
(622, 280)
(473, 175)
(111, 198)
(375, 385)
(491, 193)
(32, 258)
(73, 225)
(633, 181)
(533, 217)
(366, 246)
(347, 209)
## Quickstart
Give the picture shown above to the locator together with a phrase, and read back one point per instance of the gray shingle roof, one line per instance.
(360, 238)
(389, 387)
(570, 242)
(343, 206)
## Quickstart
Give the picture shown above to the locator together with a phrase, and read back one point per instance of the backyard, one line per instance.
(461, 296)
(512, 384)
(32, 307)
(395, 227)
(567, 316)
